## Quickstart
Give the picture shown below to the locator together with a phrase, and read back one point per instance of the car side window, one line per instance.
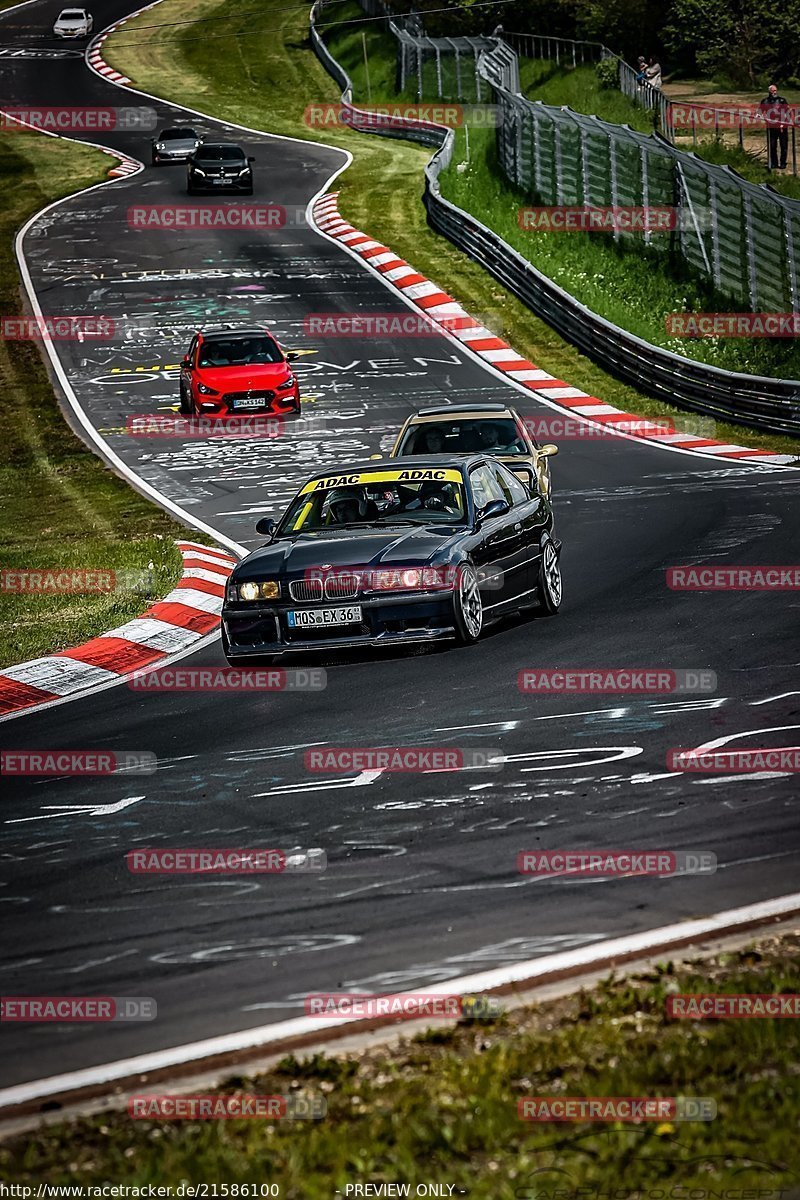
(485, 487)
(191, 351)
(513, 489)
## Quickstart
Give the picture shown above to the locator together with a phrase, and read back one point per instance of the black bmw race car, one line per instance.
(390, 552)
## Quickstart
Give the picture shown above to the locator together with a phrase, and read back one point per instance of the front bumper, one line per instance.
(207, 184)
(286, 405)
(255, 629)
(180, 156)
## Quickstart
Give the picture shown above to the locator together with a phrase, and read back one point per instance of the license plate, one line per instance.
(218, 182)
(253, 402)
(312, 617)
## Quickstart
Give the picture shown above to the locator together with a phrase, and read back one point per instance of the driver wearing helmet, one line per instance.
(345, 505)
(438, 497)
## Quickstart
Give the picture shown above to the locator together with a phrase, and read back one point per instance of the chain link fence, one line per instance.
(740, 235)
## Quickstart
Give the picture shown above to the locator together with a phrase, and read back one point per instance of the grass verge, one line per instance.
(60, 507)
(443, 1107)
(264, 75)
(579, 87)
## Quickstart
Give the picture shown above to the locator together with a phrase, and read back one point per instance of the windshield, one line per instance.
(170, 135)
(381, 500)
(222, 153)
(464, 435)
(72, 14)
(239, 352)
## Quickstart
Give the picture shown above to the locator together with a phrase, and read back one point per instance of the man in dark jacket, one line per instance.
(777, 117)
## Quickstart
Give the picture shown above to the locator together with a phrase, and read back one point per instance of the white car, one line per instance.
(73, 23)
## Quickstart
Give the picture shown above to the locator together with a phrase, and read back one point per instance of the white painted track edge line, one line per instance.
(584, 957)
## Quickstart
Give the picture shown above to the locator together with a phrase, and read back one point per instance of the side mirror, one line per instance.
(495, 508)
(266, 526)
(251, 158)
(548, 450)
(291, 355)
(185, 360)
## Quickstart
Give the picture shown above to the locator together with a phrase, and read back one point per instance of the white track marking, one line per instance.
(584, 958)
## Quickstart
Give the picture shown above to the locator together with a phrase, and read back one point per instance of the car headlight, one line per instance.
(287, 383)
(206, 391)
(160, 146)
(398, 580)
(197, 171)
(245, 171)
(269, 589)
(406, 579)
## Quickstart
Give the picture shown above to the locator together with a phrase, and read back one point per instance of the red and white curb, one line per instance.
(94, 54)
(94, 58)
(126, 166)
(438, 306)
(188, 613)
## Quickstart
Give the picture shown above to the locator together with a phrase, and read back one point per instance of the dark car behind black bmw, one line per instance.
(393, 551)
(220, 167)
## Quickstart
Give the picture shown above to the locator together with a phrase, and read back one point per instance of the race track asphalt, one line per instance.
(422, 883)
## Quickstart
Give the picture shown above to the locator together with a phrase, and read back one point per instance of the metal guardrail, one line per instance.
(756, 401)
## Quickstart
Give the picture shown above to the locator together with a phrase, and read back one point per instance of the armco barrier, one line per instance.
(756, 401)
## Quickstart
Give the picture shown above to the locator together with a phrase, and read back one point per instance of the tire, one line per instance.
(550, 586)
(186, 405)
(467, 606)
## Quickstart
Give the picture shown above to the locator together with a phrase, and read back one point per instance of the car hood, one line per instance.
(256, 375)
(76, 23)
(223, 164)
(394, 546)
(181, 144)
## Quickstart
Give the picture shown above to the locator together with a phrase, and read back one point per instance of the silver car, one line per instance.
(73, 23)
(174, 145)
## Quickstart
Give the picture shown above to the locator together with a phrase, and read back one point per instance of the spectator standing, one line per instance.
(776, 117)
(653, 73)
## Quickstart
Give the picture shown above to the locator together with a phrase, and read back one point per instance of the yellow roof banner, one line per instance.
(398, 475)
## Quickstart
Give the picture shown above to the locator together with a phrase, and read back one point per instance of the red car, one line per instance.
(229, 372)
